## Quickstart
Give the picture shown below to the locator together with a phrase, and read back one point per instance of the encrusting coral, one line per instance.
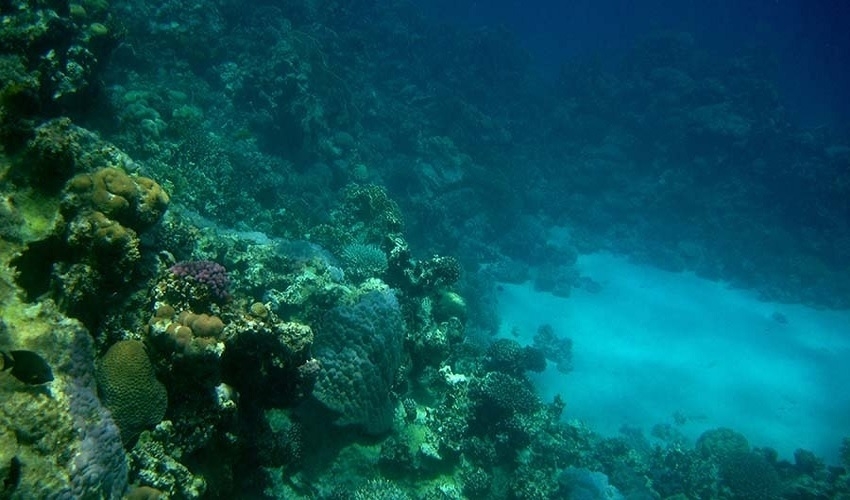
(360, 348)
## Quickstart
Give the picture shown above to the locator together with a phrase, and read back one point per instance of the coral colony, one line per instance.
(207, 273)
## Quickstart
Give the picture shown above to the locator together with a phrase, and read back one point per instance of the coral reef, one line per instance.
(749, 475)
(508, 356)
(556, 349)
(203, 278)
(136, 202)
(90, 248)
(270, 358)
(100, 467)
(58, 440)
(129, 388)
(370, 211)
(314, 311)
(51, 58)
(359, 347)
(578, 483)
(363, 261)
(156, 466)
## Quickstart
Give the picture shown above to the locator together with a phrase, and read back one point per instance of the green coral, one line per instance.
(721, 443)
(750, 476)
(129, 388)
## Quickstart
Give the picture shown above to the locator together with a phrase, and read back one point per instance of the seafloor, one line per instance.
(300, 250)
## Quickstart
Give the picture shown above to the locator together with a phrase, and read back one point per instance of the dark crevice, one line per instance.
(35, 265)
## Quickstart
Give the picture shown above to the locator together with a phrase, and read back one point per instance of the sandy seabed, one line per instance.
(656, 347)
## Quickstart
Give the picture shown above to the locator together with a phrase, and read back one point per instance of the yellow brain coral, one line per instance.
(135, 201)
(129, 388)
(202, 325)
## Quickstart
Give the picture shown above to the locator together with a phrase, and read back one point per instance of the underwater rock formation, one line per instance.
(88, 247)
(64, 441)
(157, 465)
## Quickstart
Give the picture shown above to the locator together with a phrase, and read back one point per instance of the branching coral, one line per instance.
(194, 285)
(363, 261)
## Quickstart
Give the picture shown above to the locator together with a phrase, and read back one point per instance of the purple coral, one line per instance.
(99, 469)
(205, 272)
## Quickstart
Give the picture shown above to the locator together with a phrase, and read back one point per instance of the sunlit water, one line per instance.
(656, 347)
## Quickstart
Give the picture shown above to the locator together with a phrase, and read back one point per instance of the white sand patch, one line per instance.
(652, 344)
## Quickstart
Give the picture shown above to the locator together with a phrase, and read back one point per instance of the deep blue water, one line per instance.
(809, 38)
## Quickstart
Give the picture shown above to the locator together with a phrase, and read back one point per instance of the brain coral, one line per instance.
(360, 348)
(129, 388)
(137, 202)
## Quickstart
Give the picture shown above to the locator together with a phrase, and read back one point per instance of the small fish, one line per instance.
(26, 366)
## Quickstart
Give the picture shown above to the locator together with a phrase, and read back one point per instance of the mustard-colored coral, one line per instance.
(134, 201)
(152, 200)
(105, 210)
(188, 334)
(204, 325)
(113, 246)
(129, 388)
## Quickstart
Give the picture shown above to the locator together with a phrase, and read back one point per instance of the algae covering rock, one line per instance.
(130, 389)
(56, 439)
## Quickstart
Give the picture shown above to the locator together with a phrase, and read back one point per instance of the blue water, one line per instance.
(653, 347)
(807, 38)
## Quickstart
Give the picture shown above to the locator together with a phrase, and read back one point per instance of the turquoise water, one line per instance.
(653, 347)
